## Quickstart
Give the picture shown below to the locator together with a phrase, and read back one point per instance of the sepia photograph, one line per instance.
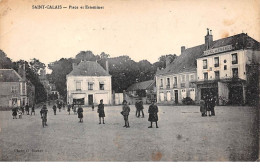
(129, 81)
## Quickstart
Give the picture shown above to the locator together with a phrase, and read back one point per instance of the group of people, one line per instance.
(207, 105)
(21, 110)
(153, 112)
(139, 108)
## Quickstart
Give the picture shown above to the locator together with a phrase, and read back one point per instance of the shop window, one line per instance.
(234, 58)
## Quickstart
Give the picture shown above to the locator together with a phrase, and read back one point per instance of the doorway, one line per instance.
(176, 96)
(90, 99)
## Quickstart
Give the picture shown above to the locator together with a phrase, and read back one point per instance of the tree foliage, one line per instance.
(5, 62)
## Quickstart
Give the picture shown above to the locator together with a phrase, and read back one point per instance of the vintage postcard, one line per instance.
(129, 81)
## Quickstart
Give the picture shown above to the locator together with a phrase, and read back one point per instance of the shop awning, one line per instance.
(78, 96)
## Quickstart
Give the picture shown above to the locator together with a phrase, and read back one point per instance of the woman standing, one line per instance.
(101, 112)
(203, 107)
(153, 116)
(80, 114)
(125, 113)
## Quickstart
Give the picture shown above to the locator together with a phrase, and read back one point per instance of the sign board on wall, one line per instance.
(218, 50)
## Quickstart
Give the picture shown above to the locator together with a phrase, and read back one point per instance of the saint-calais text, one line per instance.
(66, 7)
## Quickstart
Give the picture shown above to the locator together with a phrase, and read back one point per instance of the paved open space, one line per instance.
(183, 135)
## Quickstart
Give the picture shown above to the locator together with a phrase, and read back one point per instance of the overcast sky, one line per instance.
(141, 30)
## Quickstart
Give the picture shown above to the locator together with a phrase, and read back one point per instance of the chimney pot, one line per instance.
(182, 49)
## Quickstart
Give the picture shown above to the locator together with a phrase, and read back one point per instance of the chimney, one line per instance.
(168, 61)
(208, 39)
(74, 65)
(21, 70)
(107, 67)
(182, 49)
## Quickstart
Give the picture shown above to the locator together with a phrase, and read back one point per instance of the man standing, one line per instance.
(153, 116)
(69, 106)
(137, 114)
(80, 113)
(141, 108)
(33, 111)
(59, 106)
(101, 112)
(27, 108)
(54, 109)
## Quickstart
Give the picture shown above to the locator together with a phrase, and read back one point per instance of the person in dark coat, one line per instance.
(101, 112)
(141, 109)
(22, 109)
(137, 109)
(44, 112)
(59, 106)
(203, 107)
(153, 116)
(93, 106)
(54, 107)
(213, 104)
(32, 110)
(27, 109)
(125, 113)
(68, 106)
(14, 112)
(80, 113)
(208, 105)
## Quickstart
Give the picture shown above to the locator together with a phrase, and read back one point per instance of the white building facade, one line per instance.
(88, 83)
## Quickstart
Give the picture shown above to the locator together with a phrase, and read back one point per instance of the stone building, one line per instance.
(225, 68)
(15, 89)
(88, 83)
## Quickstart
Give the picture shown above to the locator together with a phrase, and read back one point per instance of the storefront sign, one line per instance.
(218, 50)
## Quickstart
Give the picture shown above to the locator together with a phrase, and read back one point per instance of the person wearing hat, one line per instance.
(101, 112)
(80, 113)
(153, 116)
(44, 112)
(125, 113)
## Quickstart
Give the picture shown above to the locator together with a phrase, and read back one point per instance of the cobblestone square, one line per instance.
(183, 135)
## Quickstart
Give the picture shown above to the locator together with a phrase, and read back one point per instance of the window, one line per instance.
(216, 74)
(216, 60)
(14, 89)
(90, 86)
(235, 72)
(225, 67)
(225, 61)
(161, 83)
(175, 82)
(168, 82)
(78, 85)
(205, 64)
(191, 77)
(206, 76)
(234, 58)
(182, 78)
(101, 86)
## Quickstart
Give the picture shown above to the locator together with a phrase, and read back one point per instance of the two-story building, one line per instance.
(223, 70)
(15, 89)
(88, 83)
(175, 82)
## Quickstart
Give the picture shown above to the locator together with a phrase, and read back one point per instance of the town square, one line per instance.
(129, 81)
(183, 135)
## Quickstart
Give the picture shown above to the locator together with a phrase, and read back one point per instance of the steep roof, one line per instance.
(186, 62)
(88, 68)
(141, 85)
(9, 75)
